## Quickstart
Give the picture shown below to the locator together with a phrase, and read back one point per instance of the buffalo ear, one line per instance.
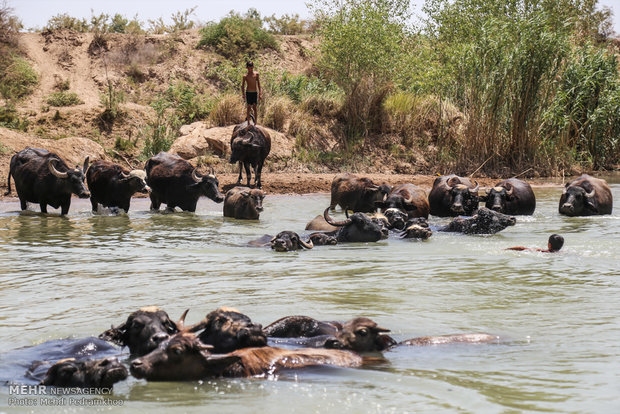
(116, 335)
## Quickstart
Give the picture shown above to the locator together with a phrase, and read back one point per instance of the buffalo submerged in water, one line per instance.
(586, 196)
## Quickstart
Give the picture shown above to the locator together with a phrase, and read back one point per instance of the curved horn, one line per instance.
(331, 221)
(195, 176)
(308, 245)
(181, 321)
(125, 176)
(512, 189)
(410, 199)
(54, 171)
(590, 194)
(475, 189)
(85, 166)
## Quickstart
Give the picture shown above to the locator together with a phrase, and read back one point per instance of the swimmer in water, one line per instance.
(555, 244)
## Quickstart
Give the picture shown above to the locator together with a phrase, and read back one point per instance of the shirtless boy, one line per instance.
(253, 93)
(554, 245)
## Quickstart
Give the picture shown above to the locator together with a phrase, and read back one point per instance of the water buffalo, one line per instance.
(511, 196)
(484, 221)
(97, 373)
(416, 228)
(143, 330)
(112, 186)
(250, 145)
(287, 241)
(452, 196)
(405, 201)
(323, 239)
(299, 326)
(243, 203)
(358, 228)
(358, 194)
(227, 329)
(586, 196)
(42, 177)
(176, 183)
(185, 358)
(320, 224)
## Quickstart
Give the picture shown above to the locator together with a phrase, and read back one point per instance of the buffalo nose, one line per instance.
(160, 337)
(136, 363)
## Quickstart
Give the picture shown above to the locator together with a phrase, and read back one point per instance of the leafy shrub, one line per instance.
(64, 98)
(228, 110)
(228, 75)
(9, 25)
(180, 21)
(286, 24)
(322, 104)
(236, 36)
(64, 21)
(10, 118)
(17, 78)
(186, 102)
(160, 134)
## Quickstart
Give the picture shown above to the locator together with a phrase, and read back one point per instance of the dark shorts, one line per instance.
(251, 98)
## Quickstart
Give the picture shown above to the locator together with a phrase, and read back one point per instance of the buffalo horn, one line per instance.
(181, 322)
(53, 169)
(331, 221)
(125, 176)
(475, 189)
(590, 194)
(195, 176)
(85, 166)
(509, 192)
(308, 245)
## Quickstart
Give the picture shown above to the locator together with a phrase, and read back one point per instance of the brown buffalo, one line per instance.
(176, 183)
(511, 196)
(112, 185)
(227, 329)
(243, 203)
(586, 196)
(101, 373)
(452, 196)
(43, 178)
(143, 330)
(358, 194)
(250, 145)
(185, 358)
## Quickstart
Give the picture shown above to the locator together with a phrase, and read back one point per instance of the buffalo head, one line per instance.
(227, 329)
(75, 178)
(286, 241)
(207, 185)
(357, 228)
(143, 330)
(361, 335)
(136, 179)
(576, 199)
(102, 373)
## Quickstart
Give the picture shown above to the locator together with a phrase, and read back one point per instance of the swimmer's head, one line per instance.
(555, 242)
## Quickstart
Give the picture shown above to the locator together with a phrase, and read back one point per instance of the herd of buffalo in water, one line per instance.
(226, 343)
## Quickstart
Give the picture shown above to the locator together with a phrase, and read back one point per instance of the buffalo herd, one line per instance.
(226, 343)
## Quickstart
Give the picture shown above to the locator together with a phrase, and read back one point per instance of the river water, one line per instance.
(557, 314)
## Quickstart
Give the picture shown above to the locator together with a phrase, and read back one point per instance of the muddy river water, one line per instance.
(558, 314)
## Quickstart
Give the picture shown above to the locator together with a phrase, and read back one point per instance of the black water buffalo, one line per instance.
(227, 329)
(299, 326)
(484, 221)
(452, 196)
(586, 196)
(358, 194)
(42, 177)
(97, 373)
(243, 203)
(250, 145)
(319, 224)
(405, 201)
(143, 330)
(511, 196)
(358, 228)
(176, 183)
(416, 228)
(112, 185)
(323, 239)
(185, 358)
(287, 241)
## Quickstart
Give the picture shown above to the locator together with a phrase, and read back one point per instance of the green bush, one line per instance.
(187, 104)
(160, 134)
(64, 98)
(286, 24)
(584, 117)
(64, 21)
(236, 36)
(17, 78)
(10, 118)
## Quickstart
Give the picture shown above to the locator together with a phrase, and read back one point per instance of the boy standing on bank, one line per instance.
(253, 93)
